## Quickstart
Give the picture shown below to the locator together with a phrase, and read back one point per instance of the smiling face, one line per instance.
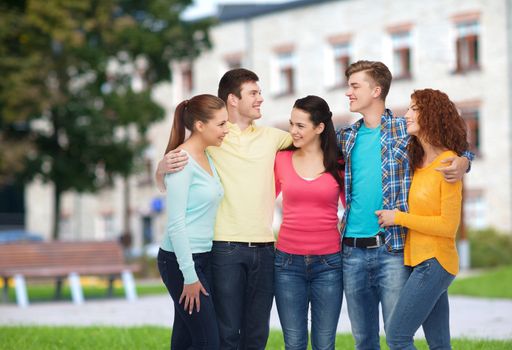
(362, 92)
(215, 129)
(304, 133)
(411, 118)
(249, 103)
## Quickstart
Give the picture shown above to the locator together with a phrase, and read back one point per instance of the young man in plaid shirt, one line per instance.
(377, 176)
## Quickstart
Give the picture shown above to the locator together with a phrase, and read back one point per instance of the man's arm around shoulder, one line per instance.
(172, 162)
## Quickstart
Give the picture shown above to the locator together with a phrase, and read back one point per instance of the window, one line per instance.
(467, 46)
(475, 209)
(187, 79)
(341, 56)
(66, 226)
(401, 42)
(108, 224)
(471, 116)
(183, 80)
(286, 73)
(12, 207)
(233, 64)
(145, 177)
(233, 60)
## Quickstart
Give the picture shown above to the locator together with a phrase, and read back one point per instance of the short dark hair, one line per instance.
(232, 81)
(376, 70)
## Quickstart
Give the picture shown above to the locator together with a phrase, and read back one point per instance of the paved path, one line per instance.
(470, 317)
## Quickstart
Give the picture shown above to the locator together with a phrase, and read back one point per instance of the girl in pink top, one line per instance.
(307, 265)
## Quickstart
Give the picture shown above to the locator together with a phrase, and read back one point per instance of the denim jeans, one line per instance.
(198, 330)
(301, 280)
(371, 276)
(423, 301)
(243, 287)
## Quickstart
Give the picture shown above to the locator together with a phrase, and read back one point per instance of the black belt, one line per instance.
(366, 242)
(249, 244)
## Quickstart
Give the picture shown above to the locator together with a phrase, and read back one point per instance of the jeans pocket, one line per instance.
(224, 249)
(270, 250)
(280, 258)
(332, 260)
(424, 268)
(346, 251)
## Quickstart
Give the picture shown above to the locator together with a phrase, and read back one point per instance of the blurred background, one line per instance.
(88, 90)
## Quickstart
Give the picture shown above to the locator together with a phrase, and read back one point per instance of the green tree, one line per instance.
(75, 93)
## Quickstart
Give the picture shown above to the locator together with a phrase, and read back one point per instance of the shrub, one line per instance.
(490, 248)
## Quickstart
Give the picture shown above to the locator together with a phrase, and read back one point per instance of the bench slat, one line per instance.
(62, 258)
(65, 271)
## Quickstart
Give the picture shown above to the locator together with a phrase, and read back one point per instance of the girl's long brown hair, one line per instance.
(198, 108)
(440, 125)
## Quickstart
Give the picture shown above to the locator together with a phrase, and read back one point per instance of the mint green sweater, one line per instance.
(193, 197)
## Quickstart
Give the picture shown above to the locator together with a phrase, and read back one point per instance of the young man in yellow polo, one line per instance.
(243, 246)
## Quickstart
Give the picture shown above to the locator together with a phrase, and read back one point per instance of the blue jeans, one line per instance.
(371, 276)
(299, 281)
(243, 288)
(198, 330)
(423, 302)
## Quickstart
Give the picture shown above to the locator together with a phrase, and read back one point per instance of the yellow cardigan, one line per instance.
(433, 218)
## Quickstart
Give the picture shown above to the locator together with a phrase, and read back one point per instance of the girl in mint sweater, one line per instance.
(193, 196)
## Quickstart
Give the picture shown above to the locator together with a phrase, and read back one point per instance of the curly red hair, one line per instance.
(440, 125)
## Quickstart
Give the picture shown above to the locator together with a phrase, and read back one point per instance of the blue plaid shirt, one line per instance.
(396, 172)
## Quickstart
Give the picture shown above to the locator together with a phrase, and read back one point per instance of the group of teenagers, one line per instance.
(399, 179)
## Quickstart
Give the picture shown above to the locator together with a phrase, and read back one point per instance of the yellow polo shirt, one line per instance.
(245, 164)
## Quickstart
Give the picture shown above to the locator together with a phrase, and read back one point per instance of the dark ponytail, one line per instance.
(198, 108)
(319, 112)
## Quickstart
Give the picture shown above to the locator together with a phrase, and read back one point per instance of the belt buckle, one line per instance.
(377, 244)
(251, 245)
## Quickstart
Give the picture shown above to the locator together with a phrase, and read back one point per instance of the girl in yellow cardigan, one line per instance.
(437, 132)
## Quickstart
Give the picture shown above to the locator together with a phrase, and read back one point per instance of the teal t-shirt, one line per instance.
(366, 168)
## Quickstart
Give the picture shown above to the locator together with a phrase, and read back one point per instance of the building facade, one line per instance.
(463, 48)
(460, 47)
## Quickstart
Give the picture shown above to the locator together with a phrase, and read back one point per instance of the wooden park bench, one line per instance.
(62, 260)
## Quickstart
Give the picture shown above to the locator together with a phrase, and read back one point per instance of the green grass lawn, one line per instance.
(495, 283)
(113, 338)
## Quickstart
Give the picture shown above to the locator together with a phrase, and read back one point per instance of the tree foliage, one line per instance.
(77, 76)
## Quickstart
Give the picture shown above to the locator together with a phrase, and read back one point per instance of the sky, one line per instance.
(203, 8)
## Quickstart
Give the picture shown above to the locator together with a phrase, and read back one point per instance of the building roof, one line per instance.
(233, 12)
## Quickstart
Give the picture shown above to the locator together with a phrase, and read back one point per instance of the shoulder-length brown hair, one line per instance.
(440, 125)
